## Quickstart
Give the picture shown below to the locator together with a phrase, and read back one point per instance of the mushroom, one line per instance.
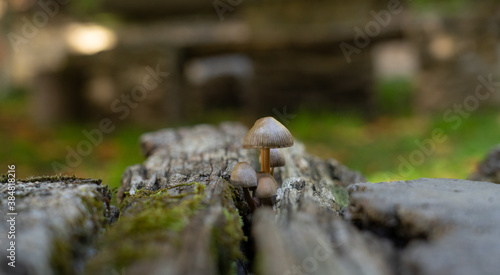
(265, 134)
(267, 189)
(277, 159)
(244, 176)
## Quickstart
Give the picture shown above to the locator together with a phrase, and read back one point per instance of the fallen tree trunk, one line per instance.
(305, 232)
(179, 215)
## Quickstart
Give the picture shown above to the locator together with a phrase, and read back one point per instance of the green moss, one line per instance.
(341, 195)
(230, 190)
(150, 219)
(97, 207)
(226, 242)
(153, 220)
(61, 259)
(142, 194)
(182, 184)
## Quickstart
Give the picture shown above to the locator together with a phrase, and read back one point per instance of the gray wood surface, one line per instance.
(57, 220)
(439, 226)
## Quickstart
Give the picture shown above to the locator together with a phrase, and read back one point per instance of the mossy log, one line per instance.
(217, 237)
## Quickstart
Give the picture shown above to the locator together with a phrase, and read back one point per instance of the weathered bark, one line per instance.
(439, 226)
(305, 235)
(57, 220)
(312, 239)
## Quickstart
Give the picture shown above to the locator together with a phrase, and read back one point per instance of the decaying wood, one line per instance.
(313, 240)
(192, 247)
(305, 234)
(204, 155)
(391, 228)
(207, 155)
(57, 220)
(179, 215)
(440, 226)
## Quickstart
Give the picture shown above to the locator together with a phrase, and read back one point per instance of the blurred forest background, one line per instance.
(367, 82)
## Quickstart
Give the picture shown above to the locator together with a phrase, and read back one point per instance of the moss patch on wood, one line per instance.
(62, 261)
(153, 223)
(341, 195)
(228, 235)
(150, 219)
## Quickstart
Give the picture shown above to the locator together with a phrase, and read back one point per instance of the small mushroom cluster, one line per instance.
(267, 134)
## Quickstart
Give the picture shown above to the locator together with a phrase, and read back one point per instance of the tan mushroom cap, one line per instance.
(277, 158)
(243, 175)
(267, 132)
(267, 186)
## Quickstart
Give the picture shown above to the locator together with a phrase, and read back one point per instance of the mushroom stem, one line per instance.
(249, 199)
(272, 171)
(267, 201)
(265, 166)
